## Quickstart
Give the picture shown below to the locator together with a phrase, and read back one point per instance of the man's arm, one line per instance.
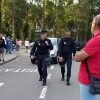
(80, 56)
(33, 48)
(60, 48)
(74, 47)
(50, 45)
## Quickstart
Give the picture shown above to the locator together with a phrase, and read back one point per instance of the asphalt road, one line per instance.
(19, 81)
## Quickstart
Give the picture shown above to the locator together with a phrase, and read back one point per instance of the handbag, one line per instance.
(94, 81)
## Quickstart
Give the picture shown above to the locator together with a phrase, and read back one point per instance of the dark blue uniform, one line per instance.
(66, 48)
(42, 51)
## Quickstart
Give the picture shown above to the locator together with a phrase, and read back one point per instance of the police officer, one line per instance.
(41, 48)
(66, 48)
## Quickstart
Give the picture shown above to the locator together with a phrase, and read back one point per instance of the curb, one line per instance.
(9, 60)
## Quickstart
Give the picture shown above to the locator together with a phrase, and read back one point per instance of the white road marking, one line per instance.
(23, 70)
(52, 67)
(8, 70)
(49, 76)
(29, 70)
(1, 84)
(43, 93)
(18, 70)
(35, 70)
(0, 70)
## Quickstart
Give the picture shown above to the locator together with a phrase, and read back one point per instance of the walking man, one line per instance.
(41, 49)
(66, 48)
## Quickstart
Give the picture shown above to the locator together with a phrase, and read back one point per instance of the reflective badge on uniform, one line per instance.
(64, 42)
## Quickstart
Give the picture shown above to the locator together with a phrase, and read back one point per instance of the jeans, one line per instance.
(85, 93)
(8, 48)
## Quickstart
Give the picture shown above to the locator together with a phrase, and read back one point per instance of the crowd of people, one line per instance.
(8, 45)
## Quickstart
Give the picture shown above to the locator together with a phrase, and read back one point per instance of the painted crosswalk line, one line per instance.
(43, 93)
(1, 84)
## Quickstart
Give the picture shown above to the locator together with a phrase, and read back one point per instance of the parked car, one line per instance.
(80, 45)
(53, 53)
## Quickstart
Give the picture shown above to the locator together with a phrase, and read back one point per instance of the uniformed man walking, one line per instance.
(41, 49)
(66, 48)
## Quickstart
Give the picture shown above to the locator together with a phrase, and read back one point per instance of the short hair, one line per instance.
(97, 20)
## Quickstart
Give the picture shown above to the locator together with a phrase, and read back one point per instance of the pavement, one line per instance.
(19, 81)
(9, 57)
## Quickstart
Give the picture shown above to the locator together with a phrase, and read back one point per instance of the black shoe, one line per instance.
(62, 79)
(68, 81)
(0, 59)
(44, 82)
(40, 79)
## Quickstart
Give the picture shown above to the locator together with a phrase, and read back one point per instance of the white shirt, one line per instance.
(4, 39)
(20, 42)
(26, 43)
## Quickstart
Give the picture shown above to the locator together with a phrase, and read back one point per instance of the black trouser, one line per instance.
(68, 59)
(42, 67)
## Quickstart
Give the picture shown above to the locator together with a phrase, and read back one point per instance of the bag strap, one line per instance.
(87, 68)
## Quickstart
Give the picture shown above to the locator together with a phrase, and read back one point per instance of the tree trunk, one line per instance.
(13, 26)
(0, 16)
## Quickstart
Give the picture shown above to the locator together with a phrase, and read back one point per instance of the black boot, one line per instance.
(68, 81)
(44, 82)
(63, 77)
(40, 79)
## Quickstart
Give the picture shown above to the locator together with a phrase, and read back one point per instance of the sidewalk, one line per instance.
(8, 58)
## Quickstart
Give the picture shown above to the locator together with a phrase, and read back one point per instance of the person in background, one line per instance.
(17, 45)
(27, 44)
(91, 52)
(12, 44)
(20, 44)
(4, 37)
(9, 45)
(2, 46)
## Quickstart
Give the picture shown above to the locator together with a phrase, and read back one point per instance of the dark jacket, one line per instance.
(40, 47)
(2, 43)
(66, 46)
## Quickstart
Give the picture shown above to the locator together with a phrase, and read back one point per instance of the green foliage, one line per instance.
(19, 18)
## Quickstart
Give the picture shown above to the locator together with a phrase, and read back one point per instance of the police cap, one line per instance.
(43, 31)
